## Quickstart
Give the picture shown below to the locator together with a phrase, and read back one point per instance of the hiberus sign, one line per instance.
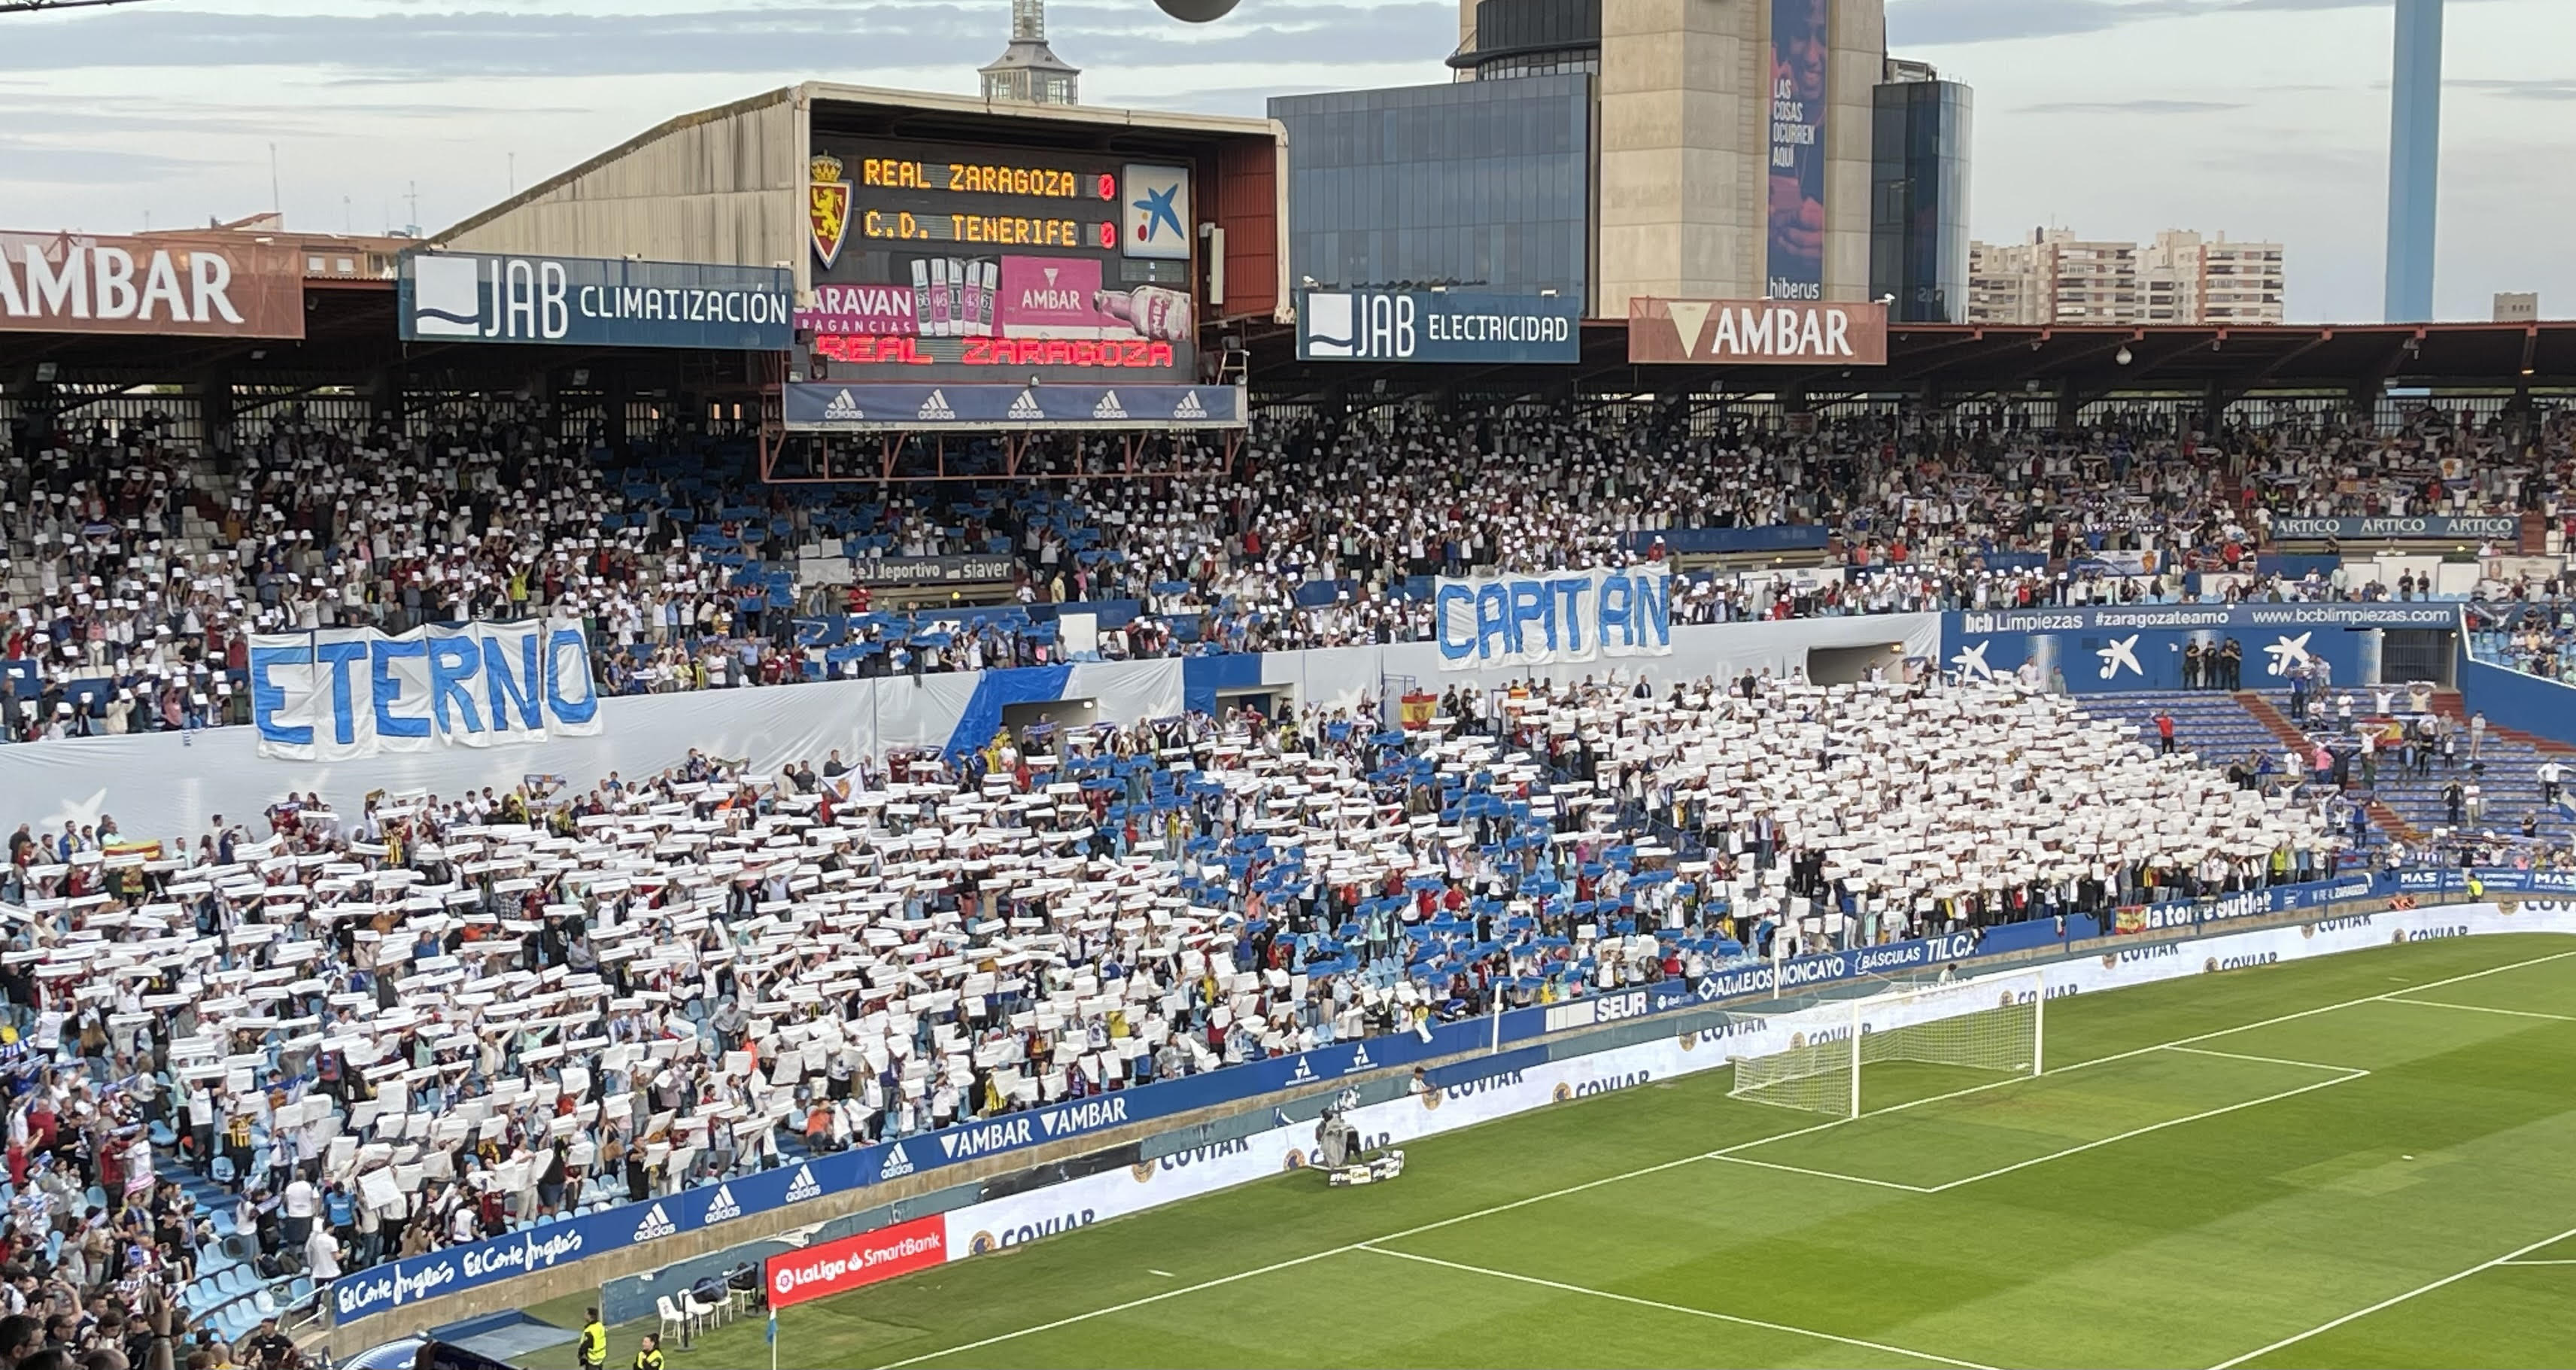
(591, 302)
(1437, 326)
(1568, 616)
(339, 693)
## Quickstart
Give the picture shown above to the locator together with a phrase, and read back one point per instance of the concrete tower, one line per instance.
(2414, 160)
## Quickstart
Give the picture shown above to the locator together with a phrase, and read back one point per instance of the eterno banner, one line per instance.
(1761, 332)
(837, 1267)
(83, 283)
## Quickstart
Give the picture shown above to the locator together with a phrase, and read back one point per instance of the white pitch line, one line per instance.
(2267, 1060)
(2536, 1262)
(1656, 1170)
(1166, 1274)
(2481, 1008)
(2322, 1008)
(1674, 1308)
(1819, 1174)
(2392, 1302)
(2151, 1127)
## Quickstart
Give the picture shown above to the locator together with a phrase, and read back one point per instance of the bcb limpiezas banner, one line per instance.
(336, 693)
(1559, 616)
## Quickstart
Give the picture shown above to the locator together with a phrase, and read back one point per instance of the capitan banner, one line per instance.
(206, 287)
(827, 407)
(337, 693)
(1539, 620)
(1756, 332)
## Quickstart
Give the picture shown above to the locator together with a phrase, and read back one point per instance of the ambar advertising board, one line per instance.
(1756, 332)
(1801, 37)
(594, 302)
(1437, 326)
(940, 262)
(189, 287)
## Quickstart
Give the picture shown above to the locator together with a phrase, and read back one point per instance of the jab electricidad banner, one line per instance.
(1566, 616)
(337, 693)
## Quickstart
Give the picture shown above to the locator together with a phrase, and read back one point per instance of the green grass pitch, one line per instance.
(2361, 1160)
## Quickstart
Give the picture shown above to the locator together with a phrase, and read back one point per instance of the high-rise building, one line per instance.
(1918, 195)
(2414, 159)
(1028, 71)
(1726, 151)
(2184, 278)
(2055, 277)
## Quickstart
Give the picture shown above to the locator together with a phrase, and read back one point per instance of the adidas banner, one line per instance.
(824, 407)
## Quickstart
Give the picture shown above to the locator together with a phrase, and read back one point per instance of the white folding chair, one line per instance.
(674, 1322)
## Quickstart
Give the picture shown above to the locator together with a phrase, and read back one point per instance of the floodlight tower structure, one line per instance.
(2414, 160)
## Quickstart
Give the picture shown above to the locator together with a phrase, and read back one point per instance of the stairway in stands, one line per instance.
(2219, 728)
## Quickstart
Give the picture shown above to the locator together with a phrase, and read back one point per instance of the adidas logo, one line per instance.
(936, 407)
(803, 1186)
(843, 407)
(723, 1207)
(1108, 408)
(897, 1164)
(656, 1224)
(1189, 407)
(1026, 406)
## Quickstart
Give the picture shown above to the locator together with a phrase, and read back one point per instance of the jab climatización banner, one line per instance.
(1565, 616)
(338, 693)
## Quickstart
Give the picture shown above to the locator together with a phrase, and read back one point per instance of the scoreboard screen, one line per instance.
(955, 263)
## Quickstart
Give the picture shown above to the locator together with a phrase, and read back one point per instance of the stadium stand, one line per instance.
(513, 1008)
(141, 563)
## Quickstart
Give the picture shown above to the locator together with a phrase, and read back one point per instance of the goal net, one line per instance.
(1991, 1026)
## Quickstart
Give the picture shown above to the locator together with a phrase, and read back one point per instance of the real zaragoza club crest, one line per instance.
(827, 207)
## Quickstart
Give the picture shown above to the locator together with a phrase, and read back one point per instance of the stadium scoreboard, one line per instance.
(956, 263)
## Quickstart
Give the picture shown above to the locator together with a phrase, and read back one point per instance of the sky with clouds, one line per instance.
(2262, 118)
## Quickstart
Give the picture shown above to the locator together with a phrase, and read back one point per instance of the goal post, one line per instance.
(1993, 1025)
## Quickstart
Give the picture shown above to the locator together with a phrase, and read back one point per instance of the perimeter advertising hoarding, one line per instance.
(1800, 46)
(593, 302)
(1756, 332)
(824, 407)
(188, 287)
(942, 263)
(836, 1267)
(1437, 326)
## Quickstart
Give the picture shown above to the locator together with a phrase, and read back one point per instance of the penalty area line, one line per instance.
(2507, 1258)
(1712, 1314)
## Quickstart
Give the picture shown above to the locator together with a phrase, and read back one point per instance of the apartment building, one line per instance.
(2181, 277)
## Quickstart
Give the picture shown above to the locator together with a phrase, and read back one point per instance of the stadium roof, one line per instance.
(1967, 359)
(867, 111)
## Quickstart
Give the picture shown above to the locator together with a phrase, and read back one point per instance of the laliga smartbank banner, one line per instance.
(836, 1267)
(1000, 1224)
(1756, 332)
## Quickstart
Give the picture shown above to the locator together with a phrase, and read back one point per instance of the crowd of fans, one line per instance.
(138, 565)
(430, 1019)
